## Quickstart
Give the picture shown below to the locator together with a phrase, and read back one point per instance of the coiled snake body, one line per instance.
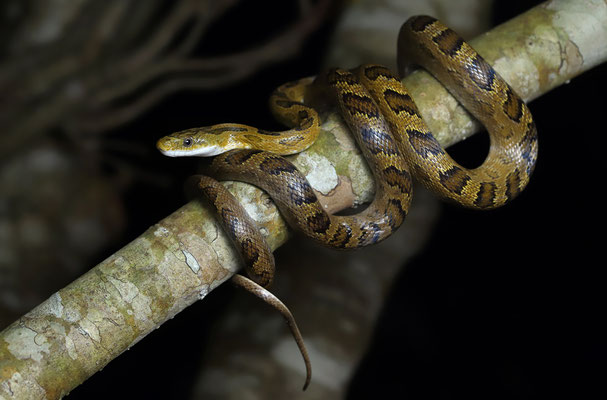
(392, 136)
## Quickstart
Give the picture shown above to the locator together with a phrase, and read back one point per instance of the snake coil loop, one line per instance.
(393, 137)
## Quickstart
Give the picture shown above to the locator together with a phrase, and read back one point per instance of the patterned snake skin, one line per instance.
(390, 131)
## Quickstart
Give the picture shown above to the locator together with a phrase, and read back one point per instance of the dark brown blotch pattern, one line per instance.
(481, 73)
(454, 180)
(342, 236)
(513, 184)
(423, 143)
(231, 221)
(396, 219)
(287, 103)
(528, 146)
(305, 124)
(249, 251)
(336, 76)
(211, 192)
(224, 129)
(301, 192)
(485, 197)
(375, 71)
(398, 178)
(275, 165)
(420, 23)
(357, 104)
(513, 106)
(399, 102)
(268, 133)
(238, 157)
(448, 42)
(378, 141)
(319, 222)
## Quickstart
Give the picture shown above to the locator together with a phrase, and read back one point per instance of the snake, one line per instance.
(392, 135)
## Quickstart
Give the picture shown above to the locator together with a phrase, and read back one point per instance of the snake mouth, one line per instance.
(167, 149)
(161, 145)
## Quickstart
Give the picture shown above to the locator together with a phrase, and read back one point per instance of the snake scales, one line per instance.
(394, 139)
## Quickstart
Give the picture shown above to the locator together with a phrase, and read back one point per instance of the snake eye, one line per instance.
(187, 142)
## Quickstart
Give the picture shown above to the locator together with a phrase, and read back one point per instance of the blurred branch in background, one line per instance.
(89, 66)
(70, 72)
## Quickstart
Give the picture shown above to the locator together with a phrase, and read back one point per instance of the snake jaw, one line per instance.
(202, 152)
(182, 146)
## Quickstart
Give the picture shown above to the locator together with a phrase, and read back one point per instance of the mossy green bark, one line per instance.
(82, 327)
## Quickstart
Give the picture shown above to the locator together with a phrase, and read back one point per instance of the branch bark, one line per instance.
(178, 261)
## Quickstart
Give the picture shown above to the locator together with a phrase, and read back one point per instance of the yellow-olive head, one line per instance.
(188, 143)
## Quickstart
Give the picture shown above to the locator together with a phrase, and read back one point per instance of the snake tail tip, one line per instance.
(308, 377)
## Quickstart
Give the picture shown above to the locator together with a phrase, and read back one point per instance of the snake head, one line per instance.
(189, 143)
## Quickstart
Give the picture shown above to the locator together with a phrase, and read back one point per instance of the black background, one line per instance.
(500, 304)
